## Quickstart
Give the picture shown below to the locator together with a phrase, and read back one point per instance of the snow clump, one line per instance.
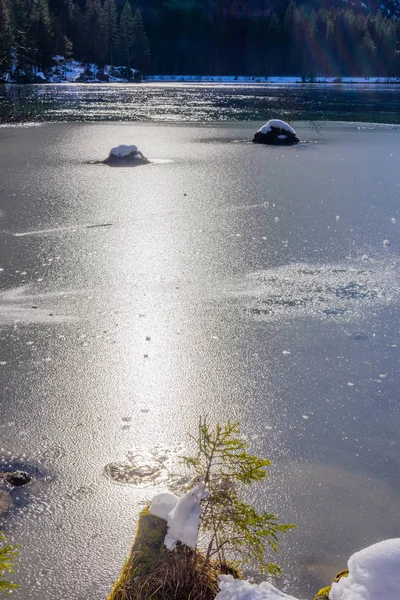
(374, 574)
(162, 504)
(182, 515)
(123, 151)
(236, 589)
(278, 124)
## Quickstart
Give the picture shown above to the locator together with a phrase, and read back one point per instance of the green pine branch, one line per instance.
(8, 556)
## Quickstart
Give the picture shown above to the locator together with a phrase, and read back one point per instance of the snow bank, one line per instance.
(374, 574)
(278, 124)
(236, 589)
(77, 71)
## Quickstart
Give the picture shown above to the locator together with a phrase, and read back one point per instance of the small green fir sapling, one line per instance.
(225, 465)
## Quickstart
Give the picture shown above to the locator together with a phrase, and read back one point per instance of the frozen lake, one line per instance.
(202, 102)
(230, 280)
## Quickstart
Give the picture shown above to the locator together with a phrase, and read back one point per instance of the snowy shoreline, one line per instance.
(73, 71)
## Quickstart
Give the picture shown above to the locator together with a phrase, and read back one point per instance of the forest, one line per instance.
(209, 37)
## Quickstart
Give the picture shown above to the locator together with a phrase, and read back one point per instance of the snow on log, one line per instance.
(184, 519)
(162, 504)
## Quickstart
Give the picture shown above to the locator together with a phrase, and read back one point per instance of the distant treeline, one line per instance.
(209, 37)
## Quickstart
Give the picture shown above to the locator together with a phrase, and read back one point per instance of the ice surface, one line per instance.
(236, 589)
(276, 123)
(303, 289)
(162, 504)
(374, 574)
(184, 520)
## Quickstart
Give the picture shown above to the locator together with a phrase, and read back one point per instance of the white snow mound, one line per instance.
(184, 519)
(276, 123)
(122, 151)
(236, 589)
(162, 504)
(374, 574)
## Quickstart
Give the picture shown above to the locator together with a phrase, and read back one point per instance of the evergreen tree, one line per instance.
(42, 35)
(126, 34)
(94, 32)
(5, 36)
(33, 35)
(274, 57)
(111, 30)
(140, 47)
(368, 55)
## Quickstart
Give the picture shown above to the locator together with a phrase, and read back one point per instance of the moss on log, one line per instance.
(324, 593)
(148, 544)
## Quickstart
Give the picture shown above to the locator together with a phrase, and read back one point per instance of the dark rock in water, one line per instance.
(125, 156)
(16, 478)
(276, 133)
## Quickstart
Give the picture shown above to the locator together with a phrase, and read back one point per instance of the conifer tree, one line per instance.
(368, 55)
(111, 30)
(140, 47)
(274, 35)
(5, 35)
(126, 33)
(42, 34)
(94, 32)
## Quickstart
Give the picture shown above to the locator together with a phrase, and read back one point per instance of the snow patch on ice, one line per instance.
(236, 589)
(374, 574)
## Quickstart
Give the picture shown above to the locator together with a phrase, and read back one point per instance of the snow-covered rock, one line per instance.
(184, 519)
(125, 155)
(236, 589)
(276, 123)
(162, 504)
(124, 151)
(276, 133)
(374, 574)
